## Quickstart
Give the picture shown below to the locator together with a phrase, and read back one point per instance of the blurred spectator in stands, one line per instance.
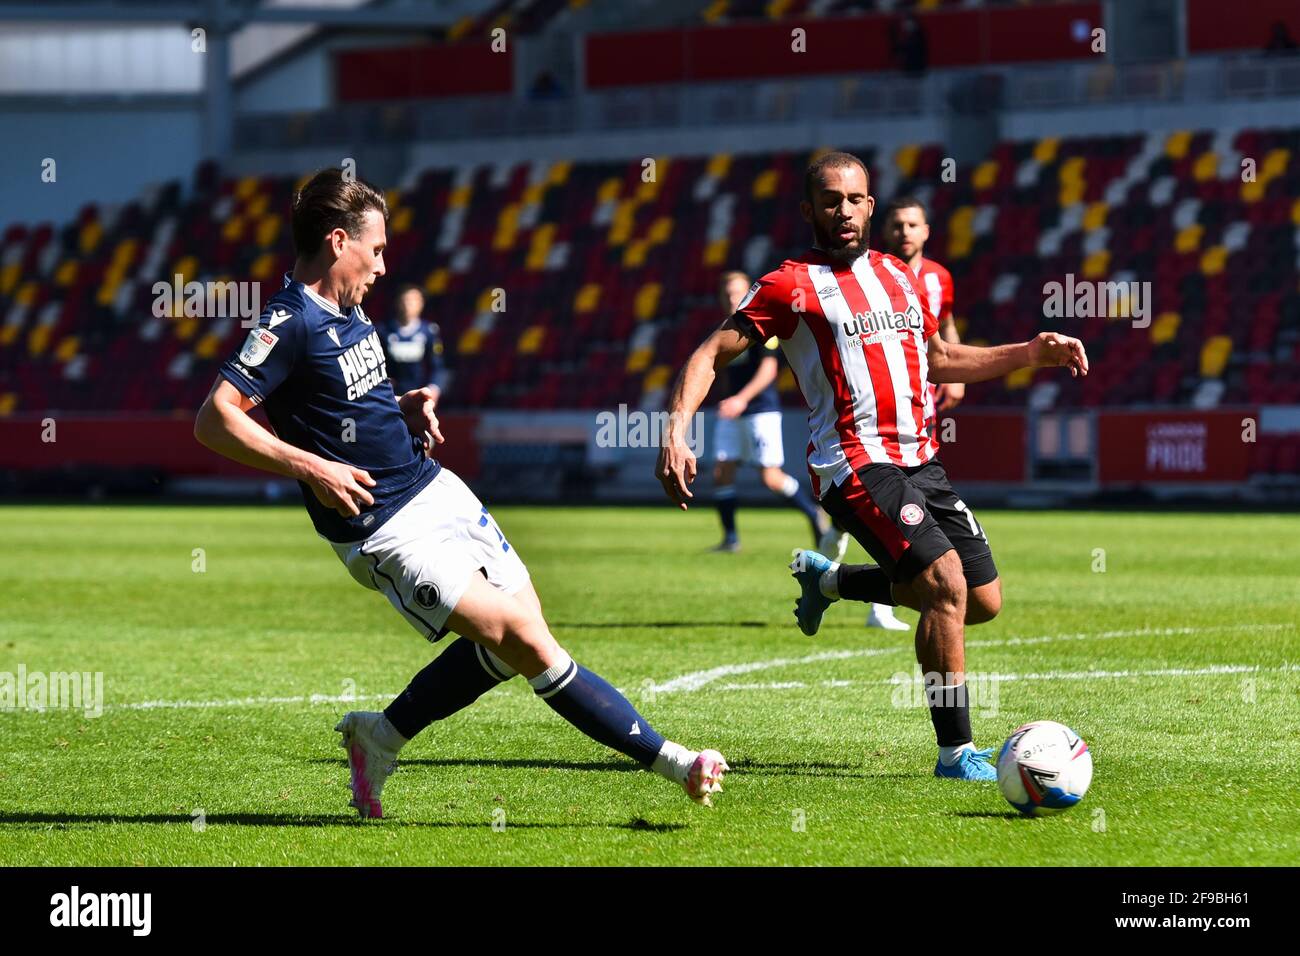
(911, 52)
(414, 346)
(1280, 42)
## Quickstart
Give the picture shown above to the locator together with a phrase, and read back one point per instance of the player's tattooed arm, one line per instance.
(675, 469)
(950, 362)
(224, 425)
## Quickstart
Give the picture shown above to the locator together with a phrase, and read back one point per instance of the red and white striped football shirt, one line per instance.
(855, 337)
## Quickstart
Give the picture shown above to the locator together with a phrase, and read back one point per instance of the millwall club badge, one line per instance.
(257, 347)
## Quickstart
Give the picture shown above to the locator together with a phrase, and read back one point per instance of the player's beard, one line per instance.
(841, 253)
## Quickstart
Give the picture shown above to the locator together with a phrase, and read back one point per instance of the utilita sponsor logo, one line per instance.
(134, 910)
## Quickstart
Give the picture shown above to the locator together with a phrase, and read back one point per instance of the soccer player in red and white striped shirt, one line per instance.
(863, 344)
(907, 227)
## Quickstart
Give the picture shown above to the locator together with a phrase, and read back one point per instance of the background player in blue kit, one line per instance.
(748, 430)
(413, 347)
(401, 523)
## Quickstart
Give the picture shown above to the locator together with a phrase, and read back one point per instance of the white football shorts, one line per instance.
(752, 439)
(423, 558)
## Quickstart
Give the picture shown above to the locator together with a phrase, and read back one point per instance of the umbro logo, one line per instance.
(828, 292)
(278, 316)
(334, 336)
(636, 729)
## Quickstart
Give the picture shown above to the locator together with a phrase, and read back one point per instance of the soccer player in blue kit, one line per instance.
(400, 523)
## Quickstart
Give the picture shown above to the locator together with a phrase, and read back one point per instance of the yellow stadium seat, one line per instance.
(531, 340)
(459, 197)
(67, 348)
(186, 327)
(785, 380)
(609, 190)
(533, 193)
(1274, 164)
(91, 233)
(906, 159)
(646, 304)
(470, 341)
(207, 346)
(765, 184)
(719, 165)
(714, 11)
(620, 227)
(1189, 238)
(507, 228)
(263, 267)
(539, 247)
(638, 359)
(587, 299)
(268, 230)
(246, 187)
(8, 402)
(1045, 150)
(400, 221)
(436, 284)
(1205, 167)
(233, 230)
(656, 378)
(558, 174)
(486, 300)
(986, 175)
(1094, 217)
(634, 254)
(1214, 355)
(37, 340)
(715, 253)
(9, 277)
(1177, 145)
(1165, 327)
(1213, 260)
(661, 231)
(1097, 264)
(1020, 378)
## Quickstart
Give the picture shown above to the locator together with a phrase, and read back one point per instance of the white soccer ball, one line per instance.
(1043, 768)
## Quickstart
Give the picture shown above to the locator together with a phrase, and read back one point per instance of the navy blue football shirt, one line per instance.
(744, 367)
(415, 356)
(322, 379)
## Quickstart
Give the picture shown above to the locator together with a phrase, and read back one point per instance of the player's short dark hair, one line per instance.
(907, 202)
(330, 201)
(832, 160)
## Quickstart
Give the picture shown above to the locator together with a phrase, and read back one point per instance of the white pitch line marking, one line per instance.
(697, 679)
(1213, 670)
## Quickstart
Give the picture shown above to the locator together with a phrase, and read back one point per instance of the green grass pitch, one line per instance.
(224, 668)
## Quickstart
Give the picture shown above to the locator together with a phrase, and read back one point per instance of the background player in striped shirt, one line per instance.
(748, 430)
(863, 344)
(906, 230)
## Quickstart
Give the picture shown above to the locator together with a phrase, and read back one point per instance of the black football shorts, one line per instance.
(907, 517)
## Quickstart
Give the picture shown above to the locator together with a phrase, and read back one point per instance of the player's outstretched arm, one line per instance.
(417, 407)
(952, 362)
(675, 469)
(224, 425)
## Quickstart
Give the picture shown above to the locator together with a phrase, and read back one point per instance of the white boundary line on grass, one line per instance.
(696, 680)
(1216, 669)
